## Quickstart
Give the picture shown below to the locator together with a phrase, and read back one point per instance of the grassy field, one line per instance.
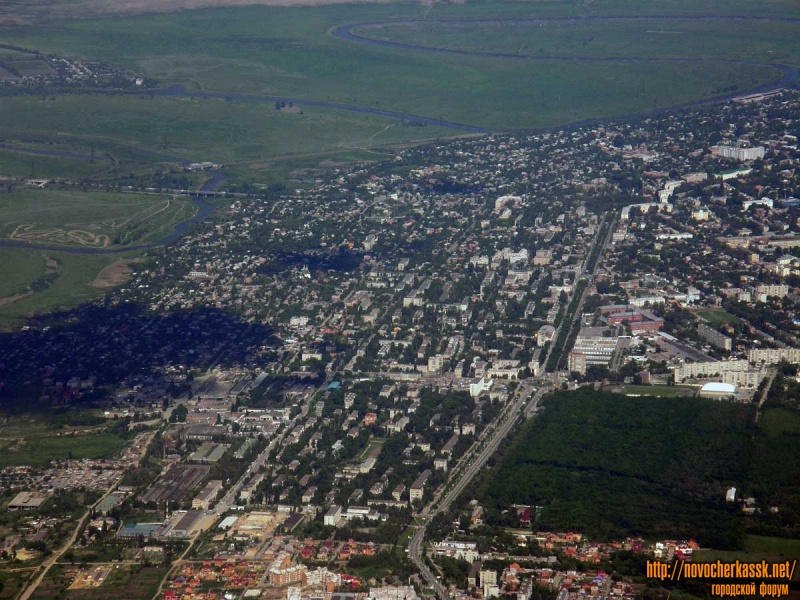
(776, 422)
(37, 451)
(290, 52)
(79, 219)
(767, 41)
(70, 287)
(662, 391)
(35, 280)
(771, 546)
(199, 130)
(717, 317)
(25, 164)
(756, 548)
(28, 265)
(35, 438)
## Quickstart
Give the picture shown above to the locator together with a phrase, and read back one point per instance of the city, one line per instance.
(302, 391)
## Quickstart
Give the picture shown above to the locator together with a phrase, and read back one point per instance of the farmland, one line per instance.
(232, 63)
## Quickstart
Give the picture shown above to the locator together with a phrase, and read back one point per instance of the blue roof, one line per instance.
(134, 530)
(334, 385)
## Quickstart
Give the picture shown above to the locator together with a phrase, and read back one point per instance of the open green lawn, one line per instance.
(717, 316)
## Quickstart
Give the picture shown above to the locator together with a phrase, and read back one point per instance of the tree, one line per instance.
(179, 414)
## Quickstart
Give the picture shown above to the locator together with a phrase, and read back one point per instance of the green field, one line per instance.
(771, 546)
(35, 438)
(25, 164)
(78, 219)
(767, 41)
(717, 317)
(200, 130)
(291, 52)
(28, 265)
(662, 391)
(776, 422)
(755, 548)
(35, 280)
(69, 286)
(38, 451)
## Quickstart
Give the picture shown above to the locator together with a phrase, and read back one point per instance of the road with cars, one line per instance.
(524, 403)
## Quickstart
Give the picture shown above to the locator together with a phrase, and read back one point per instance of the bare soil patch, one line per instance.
(11, 299)
(114, 274)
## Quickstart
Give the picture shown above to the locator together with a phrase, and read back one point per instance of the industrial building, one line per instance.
(717, 390)
(591, 350)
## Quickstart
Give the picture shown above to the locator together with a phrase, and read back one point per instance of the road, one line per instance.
(521, 404)
(66, 546)
(770, 378)
(569, 320)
